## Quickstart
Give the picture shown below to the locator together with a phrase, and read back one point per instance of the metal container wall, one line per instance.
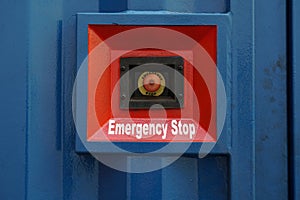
(255, 158)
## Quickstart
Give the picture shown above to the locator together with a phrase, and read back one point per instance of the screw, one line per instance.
(123, 97)
(180, 67)
(123, 68)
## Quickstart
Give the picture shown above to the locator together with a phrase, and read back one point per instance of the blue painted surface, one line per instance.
(13, 109)
(191, 6)
(270, 102)
(113, 6)
(38, 158)
(243, 99)
(80, 172)
(44, 106)
(295, 107)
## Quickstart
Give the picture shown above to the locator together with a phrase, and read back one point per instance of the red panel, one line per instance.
(103, 88)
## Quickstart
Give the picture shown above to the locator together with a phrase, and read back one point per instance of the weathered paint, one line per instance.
(38, 158)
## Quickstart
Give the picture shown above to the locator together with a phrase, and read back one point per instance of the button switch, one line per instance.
(146, 81)
(151, 83)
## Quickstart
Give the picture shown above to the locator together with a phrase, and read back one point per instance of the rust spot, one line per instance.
(272, 99)
(268, 84)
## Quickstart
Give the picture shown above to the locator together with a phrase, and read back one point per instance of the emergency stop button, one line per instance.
(151, 83)
(147, 81)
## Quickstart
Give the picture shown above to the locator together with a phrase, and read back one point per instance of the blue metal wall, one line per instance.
(294, 103)
(13, 109)
(270, 100)
(38, 67)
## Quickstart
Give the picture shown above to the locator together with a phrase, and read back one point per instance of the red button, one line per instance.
(151, 82)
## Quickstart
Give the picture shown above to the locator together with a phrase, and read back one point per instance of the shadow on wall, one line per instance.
(190, 6)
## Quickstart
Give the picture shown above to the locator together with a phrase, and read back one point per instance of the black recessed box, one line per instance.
(171, 68)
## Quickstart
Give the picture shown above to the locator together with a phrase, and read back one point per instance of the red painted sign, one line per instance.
(154, 130)
(195, 121)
